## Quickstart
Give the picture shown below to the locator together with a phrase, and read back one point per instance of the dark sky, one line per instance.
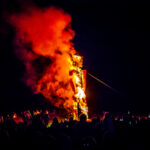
(113, 37)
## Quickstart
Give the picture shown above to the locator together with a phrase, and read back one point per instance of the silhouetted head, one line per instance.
(71, 119)
(107, 115)
(55, 120)
(83, 118)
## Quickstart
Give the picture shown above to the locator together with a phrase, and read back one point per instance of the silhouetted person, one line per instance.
(55, 123)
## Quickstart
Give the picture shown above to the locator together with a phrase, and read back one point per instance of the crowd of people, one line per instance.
(126, 133)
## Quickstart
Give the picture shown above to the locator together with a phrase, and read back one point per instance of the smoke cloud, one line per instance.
(43, 44)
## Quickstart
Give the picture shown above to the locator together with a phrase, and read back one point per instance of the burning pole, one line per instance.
(78, 81)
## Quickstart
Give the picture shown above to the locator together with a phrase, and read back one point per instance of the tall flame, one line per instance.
(52, 65)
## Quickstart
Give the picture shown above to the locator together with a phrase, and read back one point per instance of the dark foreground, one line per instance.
(108, 133)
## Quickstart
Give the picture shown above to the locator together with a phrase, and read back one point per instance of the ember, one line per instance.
(52, 65)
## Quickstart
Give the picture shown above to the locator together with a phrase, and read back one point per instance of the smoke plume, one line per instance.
(43, 44)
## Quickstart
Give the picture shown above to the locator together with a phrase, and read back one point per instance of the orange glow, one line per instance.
(37, 112)
(116, 118)
(52, 65)
(14, 116)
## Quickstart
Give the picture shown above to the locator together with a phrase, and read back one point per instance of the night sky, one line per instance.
(113, 37)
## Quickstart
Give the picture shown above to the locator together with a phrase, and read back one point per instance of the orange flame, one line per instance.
(53, 68)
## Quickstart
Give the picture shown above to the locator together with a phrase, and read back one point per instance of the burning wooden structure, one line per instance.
(78, 81)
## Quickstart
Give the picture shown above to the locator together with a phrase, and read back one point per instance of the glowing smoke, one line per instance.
(43, 43)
